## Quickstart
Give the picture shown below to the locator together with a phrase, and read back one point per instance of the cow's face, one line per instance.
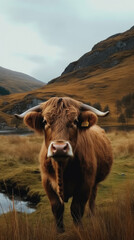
(61, 124)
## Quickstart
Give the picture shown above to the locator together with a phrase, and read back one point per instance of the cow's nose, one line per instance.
(59, 148)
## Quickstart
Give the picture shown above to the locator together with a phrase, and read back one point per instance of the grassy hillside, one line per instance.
(103, 86)
(17, 82)
(103, 83)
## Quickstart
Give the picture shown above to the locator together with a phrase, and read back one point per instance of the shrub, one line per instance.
(118, 106)
(121, 118)
(97, 105)
(4, 91)
(125, 105)
(106, 108)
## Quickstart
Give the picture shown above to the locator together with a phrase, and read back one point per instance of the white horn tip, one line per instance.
(18, 116)
(106, 113)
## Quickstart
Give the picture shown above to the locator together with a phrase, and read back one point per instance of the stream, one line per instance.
(7, 205)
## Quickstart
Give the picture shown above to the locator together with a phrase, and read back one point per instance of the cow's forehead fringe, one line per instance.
(56, 106)
(57, 103)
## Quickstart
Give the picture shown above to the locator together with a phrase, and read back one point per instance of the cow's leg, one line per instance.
(92, 198)
(58, 209)
(56, 205)
(78, 207)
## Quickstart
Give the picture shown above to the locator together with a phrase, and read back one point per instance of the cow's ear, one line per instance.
(87, 119)
(34, 120)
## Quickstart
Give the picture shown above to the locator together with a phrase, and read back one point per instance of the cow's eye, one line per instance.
(44, 123)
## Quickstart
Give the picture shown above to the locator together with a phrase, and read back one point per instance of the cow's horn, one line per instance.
(85, 107)
(22, 115)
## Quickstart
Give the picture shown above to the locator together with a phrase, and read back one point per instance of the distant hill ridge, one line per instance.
(103, 51)
(16, 82)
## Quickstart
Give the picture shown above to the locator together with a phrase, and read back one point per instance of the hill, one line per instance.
(107, 53)
(102, 76)
(16, 82)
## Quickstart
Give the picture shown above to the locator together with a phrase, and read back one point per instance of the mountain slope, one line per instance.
(105, 53)
(102, 82)
(17, 82)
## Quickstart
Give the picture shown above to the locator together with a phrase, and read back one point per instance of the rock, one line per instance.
(123, 174)
(3, 124)
(23, 106)
(5, 103)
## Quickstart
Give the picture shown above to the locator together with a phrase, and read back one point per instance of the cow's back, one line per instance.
(103, 152)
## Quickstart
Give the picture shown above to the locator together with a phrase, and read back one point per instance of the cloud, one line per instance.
(49, 34)
(33, 58)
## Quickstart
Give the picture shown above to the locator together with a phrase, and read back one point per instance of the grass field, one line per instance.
(114, 217)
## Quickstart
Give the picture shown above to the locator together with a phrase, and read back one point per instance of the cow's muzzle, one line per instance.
(60, 149)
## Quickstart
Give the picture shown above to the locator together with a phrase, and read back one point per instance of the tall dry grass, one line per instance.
(22, 149)
(122, 143)
(114, 221)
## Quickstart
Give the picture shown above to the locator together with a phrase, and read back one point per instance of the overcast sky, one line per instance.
(41, 37)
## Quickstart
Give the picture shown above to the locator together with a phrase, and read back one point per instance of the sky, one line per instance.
(41, 37)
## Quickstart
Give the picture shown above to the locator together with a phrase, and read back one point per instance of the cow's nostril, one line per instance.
(65, 147)
(54, 149)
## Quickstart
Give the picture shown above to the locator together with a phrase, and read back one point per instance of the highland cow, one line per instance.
(76, 154)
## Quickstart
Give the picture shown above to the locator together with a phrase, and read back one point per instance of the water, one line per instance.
(118, 128)
(6, 205)
(16, 132)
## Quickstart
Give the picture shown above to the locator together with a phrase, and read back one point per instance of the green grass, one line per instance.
(122, 172)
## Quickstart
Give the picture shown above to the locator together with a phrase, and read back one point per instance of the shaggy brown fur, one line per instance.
(77, 176)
